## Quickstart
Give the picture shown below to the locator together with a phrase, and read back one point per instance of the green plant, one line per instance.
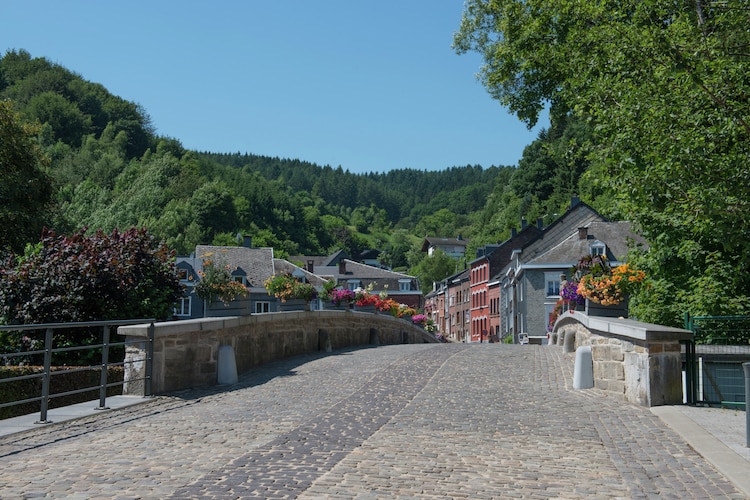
(217, 284)
(286, 287)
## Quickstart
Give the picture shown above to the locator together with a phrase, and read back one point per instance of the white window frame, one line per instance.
(552, 279)
(262, 306)
(598, 248)
(179, 308)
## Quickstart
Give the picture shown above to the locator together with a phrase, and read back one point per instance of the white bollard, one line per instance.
(227, 366)
(583, 371)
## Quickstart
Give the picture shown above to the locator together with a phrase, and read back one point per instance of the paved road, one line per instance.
(406, 421)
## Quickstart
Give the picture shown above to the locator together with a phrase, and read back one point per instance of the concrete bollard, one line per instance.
(746, 368)
(583, 371)
(227, 366)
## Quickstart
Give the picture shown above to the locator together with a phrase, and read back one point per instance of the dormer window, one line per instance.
(598, 248)
(240, 276)
(404, 285)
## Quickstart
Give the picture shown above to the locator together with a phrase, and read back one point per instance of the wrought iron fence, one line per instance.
(29, 351)
(713, 360)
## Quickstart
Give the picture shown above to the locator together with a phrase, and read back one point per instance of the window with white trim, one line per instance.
(262, 307)
(598, 248)
(552, 284)
(183, 306)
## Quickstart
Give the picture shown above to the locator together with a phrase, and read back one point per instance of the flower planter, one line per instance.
(294, 305)
(330, 306)
(367, 309)
(613, 311)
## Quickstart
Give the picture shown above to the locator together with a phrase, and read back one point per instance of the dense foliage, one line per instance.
(25, 192)
(111, 171)
(649, 122)
(663, 89)
(121, 275)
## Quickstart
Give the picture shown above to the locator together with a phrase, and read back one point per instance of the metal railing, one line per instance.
(713, 360)
(106, 344)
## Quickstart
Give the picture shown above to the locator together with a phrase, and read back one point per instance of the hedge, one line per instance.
(59, 383)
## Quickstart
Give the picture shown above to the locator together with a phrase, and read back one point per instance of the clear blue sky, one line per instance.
(367, 85)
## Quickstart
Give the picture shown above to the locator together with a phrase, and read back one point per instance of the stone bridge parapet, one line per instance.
(186, 353)
(634, 361)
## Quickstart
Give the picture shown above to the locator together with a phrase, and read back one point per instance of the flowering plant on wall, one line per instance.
(602, 284)
(364, 296)
(419, 319)
(341, 296)
(569, 294)
(404, 310)
(217, 283)
(286, 287)
(386, 305)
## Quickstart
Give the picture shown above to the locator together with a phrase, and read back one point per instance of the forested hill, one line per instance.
(405, 194)
(109, 169)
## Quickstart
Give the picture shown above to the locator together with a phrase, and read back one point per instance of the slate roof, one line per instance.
(438, 242)
(282, 266)
(615, 235)
(365, 274)
(257, 263)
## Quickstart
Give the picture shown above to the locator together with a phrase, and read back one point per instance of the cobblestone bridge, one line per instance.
(408, 421)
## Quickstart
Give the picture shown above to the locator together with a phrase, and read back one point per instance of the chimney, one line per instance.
(513, 232)
(540, 223)
(574, 200)
(342, 267)
(583, 233)
(523, 224)
(310, 265)
(247, 241)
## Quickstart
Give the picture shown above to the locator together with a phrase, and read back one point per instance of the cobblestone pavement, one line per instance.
(406, 421)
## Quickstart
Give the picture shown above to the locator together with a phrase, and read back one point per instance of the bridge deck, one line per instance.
(409, 421)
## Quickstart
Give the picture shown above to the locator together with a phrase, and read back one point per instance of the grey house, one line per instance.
(530, 283)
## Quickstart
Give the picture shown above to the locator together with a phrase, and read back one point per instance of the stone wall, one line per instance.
(633, 361)
(186, 352)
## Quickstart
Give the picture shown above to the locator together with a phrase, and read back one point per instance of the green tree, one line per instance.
(25, 188)
(664, 86)
(435, 267)
(121, 275)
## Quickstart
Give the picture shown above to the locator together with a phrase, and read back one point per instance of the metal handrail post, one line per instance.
(149, 360)
(746, 368)
(46, 376)
(105, 366)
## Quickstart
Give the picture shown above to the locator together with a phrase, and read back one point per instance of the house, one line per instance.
(453, 247)
(490, 260)
(248, 265)
(529, 284)
(455, 316)
(400, 287)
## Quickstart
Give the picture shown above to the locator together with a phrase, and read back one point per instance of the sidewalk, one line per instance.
(717, 434)
(66, 413)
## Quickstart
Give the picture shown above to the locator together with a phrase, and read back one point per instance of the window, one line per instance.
(182, 308)
(262, 307)
(552, 281)
(404, 285)
(598, 248)
(240, 279)
(182, 273)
